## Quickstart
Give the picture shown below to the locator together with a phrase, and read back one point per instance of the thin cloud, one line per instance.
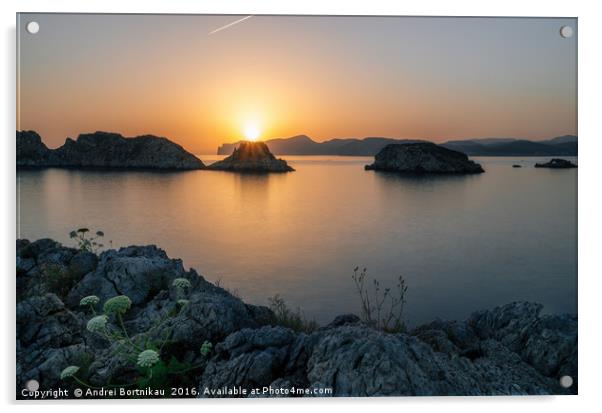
(230, 25)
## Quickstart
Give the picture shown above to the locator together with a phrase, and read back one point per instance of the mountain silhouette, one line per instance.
(566, 145)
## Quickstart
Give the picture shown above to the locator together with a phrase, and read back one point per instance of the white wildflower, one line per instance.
(69, 372)
(117, 305)
(148, 358)
(181, 283)
(89, 300)
(97, 324)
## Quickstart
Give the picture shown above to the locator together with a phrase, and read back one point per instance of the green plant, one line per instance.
(206, 348)
(87, 242)
(59, 279)
(284, 316)
(90, 301)
(145, 351)
(182, 285)
(232, 291)
(381, 308)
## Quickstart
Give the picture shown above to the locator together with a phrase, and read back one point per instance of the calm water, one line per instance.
(462, 243)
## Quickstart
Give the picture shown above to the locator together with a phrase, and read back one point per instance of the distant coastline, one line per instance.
(566, 145)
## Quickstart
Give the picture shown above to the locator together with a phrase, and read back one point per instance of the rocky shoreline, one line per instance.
(228, 344)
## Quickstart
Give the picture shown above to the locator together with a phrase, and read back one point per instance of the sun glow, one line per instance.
(252, 131)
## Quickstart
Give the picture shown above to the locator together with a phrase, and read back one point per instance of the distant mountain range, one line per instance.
(304, 145)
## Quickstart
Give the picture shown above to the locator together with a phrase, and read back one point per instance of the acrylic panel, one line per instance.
(295, 206)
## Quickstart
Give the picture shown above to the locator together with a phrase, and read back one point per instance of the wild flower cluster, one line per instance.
(86, 242)
(117, 305)
(181, 283)
(97, 324)
(381, 308)
(144, 349)
(89, 300)
(148, 358)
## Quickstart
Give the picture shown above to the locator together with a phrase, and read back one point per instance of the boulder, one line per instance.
(49, 338)
(26, 249)
(550, 346)
(138, 272)
(269, 356)
(360, 361)
(252, 157)
(505, 323)
(556, 163)
(45, 266)
(547, 343)
(82, 263)
(423, 158)
(344, 319)
(211, 317)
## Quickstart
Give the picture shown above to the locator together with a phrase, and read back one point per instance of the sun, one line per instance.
(252, 131)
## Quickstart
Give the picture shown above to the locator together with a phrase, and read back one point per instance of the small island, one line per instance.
(423, 158)
(105, 150)
(556, 163)
(252, 157)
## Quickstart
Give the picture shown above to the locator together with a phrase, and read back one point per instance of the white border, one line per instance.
(590, 153)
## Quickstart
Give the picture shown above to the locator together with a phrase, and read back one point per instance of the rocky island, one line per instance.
(105, 150)
(78, 313)
(252, 157)
(556, 163)
(423, 158)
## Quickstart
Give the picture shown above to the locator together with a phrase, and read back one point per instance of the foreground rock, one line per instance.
(105, 150)
(423, 158)
(51, 325)
(489, 354)
(556, 163)
(511, 349)
(252, 157)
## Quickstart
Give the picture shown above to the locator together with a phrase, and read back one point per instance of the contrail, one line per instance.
(230, 24)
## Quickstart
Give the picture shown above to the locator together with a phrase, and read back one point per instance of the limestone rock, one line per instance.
(49, 338)
(138, 272)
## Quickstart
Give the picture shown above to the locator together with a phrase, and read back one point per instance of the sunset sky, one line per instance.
(327, 77)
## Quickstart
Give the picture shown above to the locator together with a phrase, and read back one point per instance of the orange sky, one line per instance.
(327, 77)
